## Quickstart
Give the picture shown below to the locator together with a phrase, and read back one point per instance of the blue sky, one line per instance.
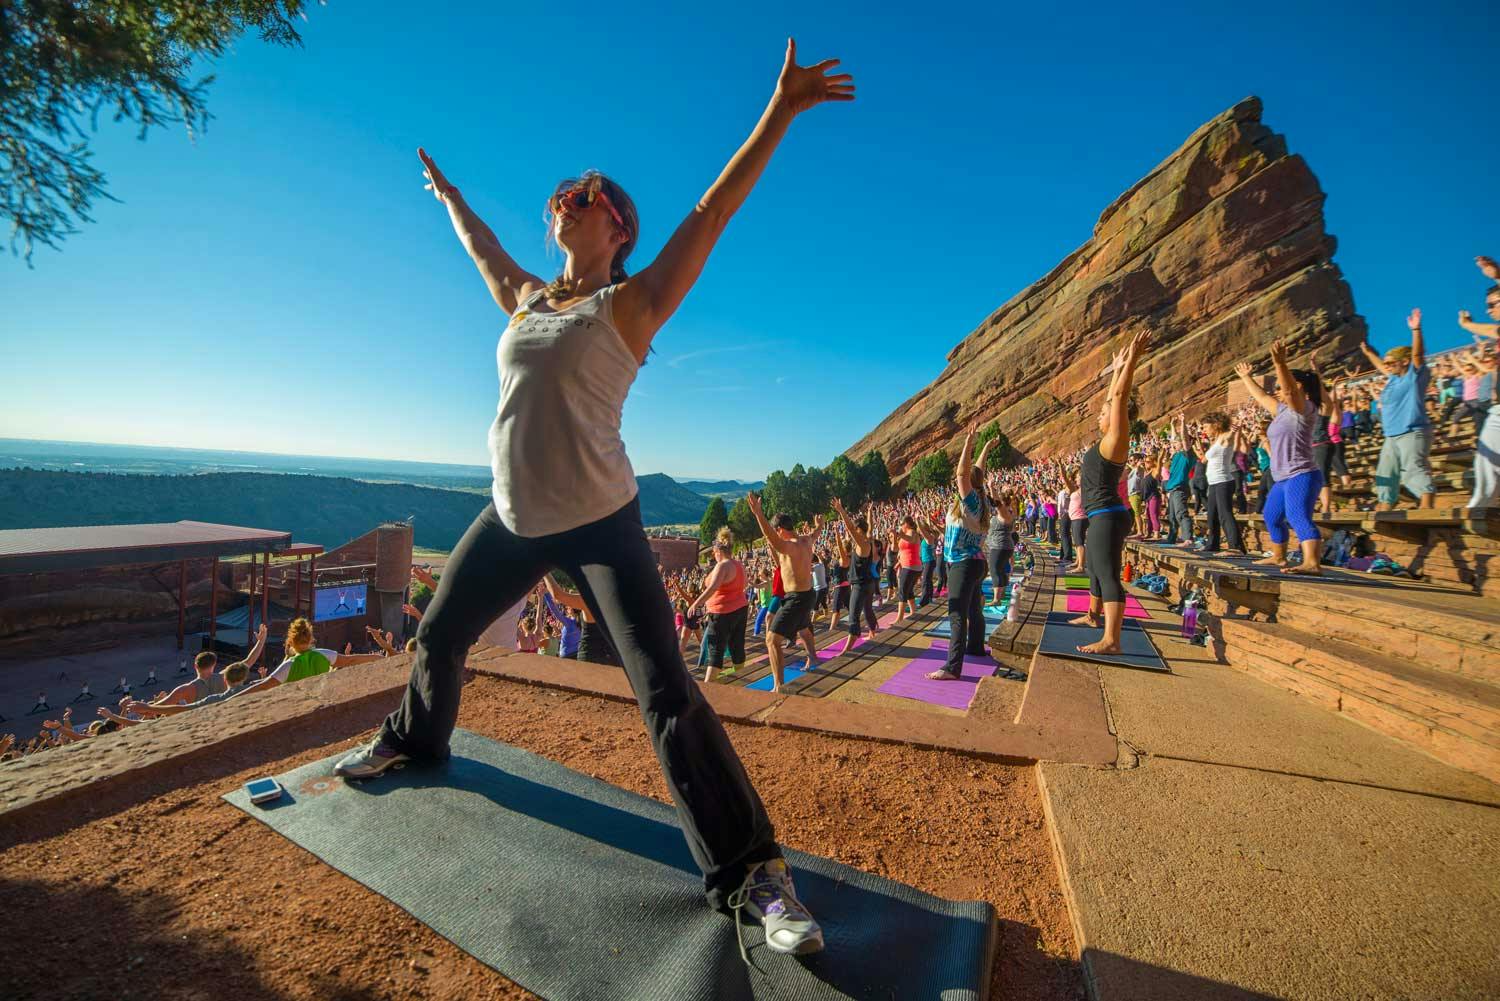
(284, 283)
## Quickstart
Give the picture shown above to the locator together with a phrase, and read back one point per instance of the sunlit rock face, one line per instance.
(1218, 251)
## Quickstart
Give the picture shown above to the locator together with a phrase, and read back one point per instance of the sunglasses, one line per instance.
(581, 197)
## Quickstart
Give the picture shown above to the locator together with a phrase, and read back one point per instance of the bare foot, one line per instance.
(1092, 621)
(1269, 561)
(1100, 647)
(1305, 571)
(942, 676)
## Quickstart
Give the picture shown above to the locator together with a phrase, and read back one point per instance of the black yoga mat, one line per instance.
(576, 889)
(1059, 639)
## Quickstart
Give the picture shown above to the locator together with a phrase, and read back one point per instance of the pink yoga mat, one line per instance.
(1078, 601)
(911, 682)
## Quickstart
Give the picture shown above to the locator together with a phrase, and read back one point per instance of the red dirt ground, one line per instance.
(182, 896)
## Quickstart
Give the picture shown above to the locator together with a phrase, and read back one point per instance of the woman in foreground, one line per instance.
(565, 497)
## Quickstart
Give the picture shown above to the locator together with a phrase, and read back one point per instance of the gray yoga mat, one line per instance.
(576, 889)
(1059, 639)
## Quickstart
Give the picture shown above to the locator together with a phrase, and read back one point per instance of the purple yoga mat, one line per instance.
(910, 682)
(1078, 601)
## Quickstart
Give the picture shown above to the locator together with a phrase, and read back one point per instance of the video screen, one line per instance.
(345, 601)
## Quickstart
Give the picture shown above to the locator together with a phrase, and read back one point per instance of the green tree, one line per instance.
(742, 523)
(776, 495)
(63, 62)
(714, 518)
(1000, 453)
(875, 477)
(816, 493)
(933, 471)
(845, 482)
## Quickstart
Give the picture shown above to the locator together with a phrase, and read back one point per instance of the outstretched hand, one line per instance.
(1414, 321)
(1278, 353)
(800, 87)
(1489, 267)
(753, 499)
(1242, 370)
(436, 182)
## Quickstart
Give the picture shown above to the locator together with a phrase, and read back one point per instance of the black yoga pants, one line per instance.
(1102, 556)
(722, 817)
(965, 613)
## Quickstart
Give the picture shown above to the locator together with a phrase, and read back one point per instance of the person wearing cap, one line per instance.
(1403, 415)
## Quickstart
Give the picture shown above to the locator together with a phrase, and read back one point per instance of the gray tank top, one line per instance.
(555, 446)
(998, 537)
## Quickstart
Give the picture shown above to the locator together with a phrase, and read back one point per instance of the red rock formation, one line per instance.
(1218, 251)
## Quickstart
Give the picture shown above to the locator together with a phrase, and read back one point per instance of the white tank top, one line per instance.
(555, 446)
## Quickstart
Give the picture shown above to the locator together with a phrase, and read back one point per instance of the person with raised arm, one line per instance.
(1297, 481)
(907, 542)
(1179, 474)
(965, 524)
(861, 585)
(793, 618)
(564, 496)
(840, 584)
(1404, 422)
(1221, 485)
(594, 643)
(1105, 504)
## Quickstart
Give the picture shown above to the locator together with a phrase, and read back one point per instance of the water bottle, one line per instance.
(1189, 619)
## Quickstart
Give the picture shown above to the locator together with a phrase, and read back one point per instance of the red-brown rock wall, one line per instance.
(1218, 251)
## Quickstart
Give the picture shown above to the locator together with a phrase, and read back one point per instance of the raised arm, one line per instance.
(860, 539)
(500, 272)
(772, 539)
(260, 644)
(965, 463)
(1265, 400)
(1414, 323)
(647, 300)
(1294, 395)
(562, 595)
(1115, 444)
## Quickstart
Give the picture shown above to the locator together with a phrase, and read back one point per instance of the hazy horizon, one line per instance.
(483, 471)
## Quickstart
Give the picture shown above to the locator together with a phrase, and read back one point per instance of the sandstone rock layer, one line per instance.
(1218, 251)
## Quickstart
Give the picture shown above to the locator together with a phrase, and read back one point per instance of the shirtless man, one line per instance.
(793, 620)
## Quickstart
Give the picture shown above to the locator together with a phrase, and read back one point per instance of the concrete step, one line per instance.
(1452, 718)
(1451, 632)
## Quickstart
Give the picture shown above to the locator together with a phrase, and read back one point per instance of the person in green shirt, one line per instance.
(304, 660)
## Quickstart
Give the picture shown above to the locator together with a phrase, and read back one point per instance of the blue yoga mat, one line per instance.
(941, 629)
(788, 673)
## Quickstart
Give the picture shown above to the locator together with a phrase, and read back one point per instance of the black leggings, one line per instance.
(1101, 557)
(726, 630)
(595, 646)
(862, 602)
(929, 571)
(1080, 530)
(492, 568)
(965, 613)
(1221, 516)
(908, 580)
(999, 567)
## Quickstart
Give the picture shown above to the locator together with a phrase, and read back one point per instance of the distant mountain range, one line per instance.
(730, 490)
(326, 510)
